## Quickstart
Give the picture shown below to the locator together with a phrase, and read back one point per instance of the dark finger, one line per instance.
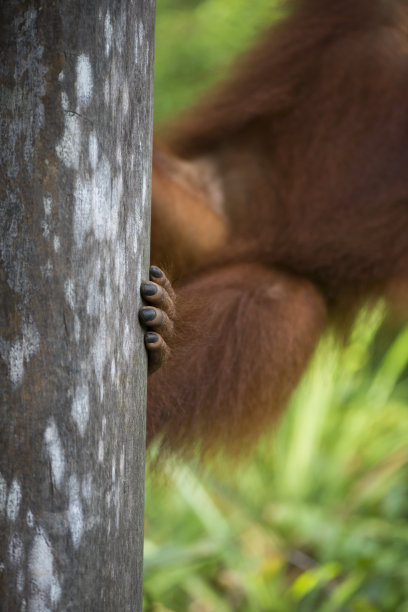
(158, 276)
(158, 296)
(157, 350)
(156, 319)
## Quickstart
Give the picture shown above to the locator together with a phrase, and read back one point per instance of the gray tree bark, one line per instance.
(75, 149)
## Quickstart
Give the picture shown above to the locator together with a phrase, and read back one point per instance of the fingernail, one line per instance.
(151, 338)
(149, 289)
(147, 314)
(156, 272)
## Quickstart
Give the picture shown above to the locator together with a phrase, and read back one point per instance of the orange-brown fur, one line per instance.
(298, 167)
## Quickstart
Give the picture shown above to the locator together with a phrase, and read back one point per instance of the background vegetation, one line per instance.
(316, 520)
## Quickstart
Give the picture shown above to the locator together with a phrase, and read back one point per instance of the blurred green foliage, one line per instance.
(196, 41)
(316, 520)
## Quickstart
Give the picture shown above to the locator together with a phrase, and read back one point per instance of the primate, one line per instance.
(279, 207)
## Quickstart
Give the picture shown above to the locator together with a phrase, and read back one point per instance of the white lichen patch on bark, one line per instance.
(106, 91)
(100, 348)
(64, 101)
(3, 494)
(138, 45)
(69, 146)
(30, 519)
(69, 289)
(97, 200)
(16, 550)
(56, 243)
(75, 513)
(80, 408)
(113, 474)
(127, 345)
(108, 33)
(19, 351)
(93, 150)
(125, 99)
(20, 580)
(47, 203)
(84, 82)
(55, 452)
(122, 462)
(87, 487)
(77, 328)
(101, 451)
(45, 588)
(13, 501)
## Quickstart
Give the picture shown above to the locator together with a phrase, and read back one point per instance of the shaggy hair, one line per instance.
(300, 162)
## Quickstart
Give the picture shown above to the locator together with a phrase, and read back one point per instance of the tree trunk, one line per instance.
(75, 148)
